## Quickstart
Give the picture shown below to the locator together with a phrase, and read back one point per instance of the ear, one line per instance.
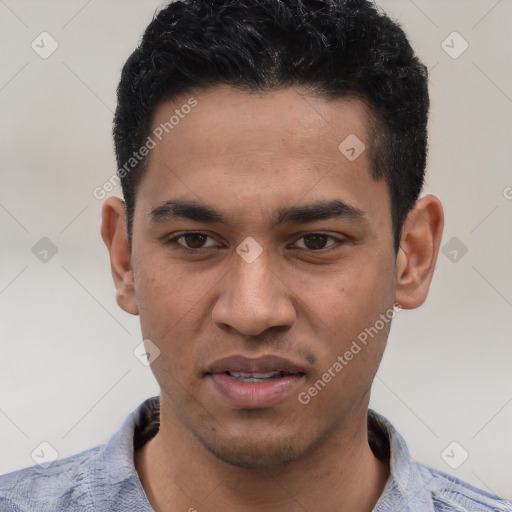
(115, 236)
(417, 255)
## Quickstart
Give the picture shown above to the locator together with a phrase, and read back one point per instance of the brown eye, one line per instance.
(194, 241)
(316, 241)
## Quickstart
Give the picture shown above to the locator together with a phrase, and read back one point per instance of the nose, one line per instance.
(254, 299)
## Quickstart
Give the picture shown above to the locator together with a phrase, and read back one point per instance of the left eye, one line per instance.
(195, 241)
(317, 241)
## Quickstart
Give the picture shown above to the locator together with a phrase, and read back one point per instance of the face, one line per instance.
(280, 246)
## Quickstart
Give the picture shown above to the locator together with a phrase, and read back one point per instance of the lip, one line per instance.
(268, 363)
(254, 395)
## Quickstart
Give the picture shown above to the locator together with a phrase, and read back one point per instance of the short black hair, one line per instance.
(335, 48)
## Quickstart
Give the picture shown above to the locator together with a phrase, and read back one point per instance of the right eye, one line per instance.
(194, 241)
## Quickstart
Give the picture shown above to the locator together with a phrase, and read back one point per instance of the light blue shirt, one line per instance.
(104, 479)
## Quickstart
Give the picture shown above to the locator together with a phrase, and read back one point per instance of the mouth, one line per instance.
(263, 367)
(254, 383)
(257, 376)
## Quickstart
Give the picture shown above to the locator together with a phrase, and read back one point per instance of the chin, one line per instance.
(265, 451)
(255, 456)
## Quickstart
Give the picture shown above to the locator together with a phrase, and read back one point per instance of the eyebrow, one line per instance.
(320, 210)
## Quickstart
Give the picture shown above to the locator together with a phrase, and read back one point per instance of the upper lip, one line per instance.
(239, 363)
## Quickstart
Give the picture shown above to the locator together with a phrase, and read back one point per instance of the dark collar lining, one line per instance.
(378, 438)
(147, 423)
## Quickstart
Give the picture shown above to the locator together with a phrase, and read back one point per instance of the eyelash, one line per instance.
(175, 245)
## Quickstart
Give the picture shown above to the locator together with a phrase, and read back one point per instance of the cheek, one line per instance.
(345, 318)
(349, 345)
(351, 299)
(165, 296)
(170, 309)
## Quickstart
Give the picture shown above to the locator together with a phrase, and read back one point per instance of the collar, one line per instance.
(117, 457)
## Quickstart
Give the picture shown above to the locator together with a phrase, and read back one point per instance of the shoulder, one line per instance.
(101, 478)
(64, 485)
(415, 487)
(449, 493)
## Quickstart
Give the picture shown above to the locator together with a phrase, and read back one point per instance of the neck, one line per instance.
(178, 473)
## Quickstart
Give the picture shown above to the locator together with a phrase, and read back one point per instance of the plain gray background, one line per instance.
(68, 373)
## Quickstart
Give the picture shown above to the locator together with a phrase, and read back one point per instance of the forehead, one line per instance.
(243, 149)
(277, 120)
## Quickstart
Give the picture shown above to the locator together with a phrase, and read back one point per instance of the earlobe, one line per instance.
(115, 236)
(419, 248)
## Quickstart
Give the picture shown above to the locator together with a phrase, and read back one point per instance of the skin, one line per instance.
(248, 155)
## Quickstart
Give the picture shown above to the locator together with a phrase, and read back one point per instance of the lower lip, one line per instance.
(253, 395)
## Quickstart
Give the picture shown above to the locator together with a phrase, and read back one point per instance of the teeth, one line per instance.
(266, 375)
(255, 377)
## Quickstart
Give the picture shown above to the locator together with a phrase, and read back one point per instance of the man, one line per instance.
(271, 155)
